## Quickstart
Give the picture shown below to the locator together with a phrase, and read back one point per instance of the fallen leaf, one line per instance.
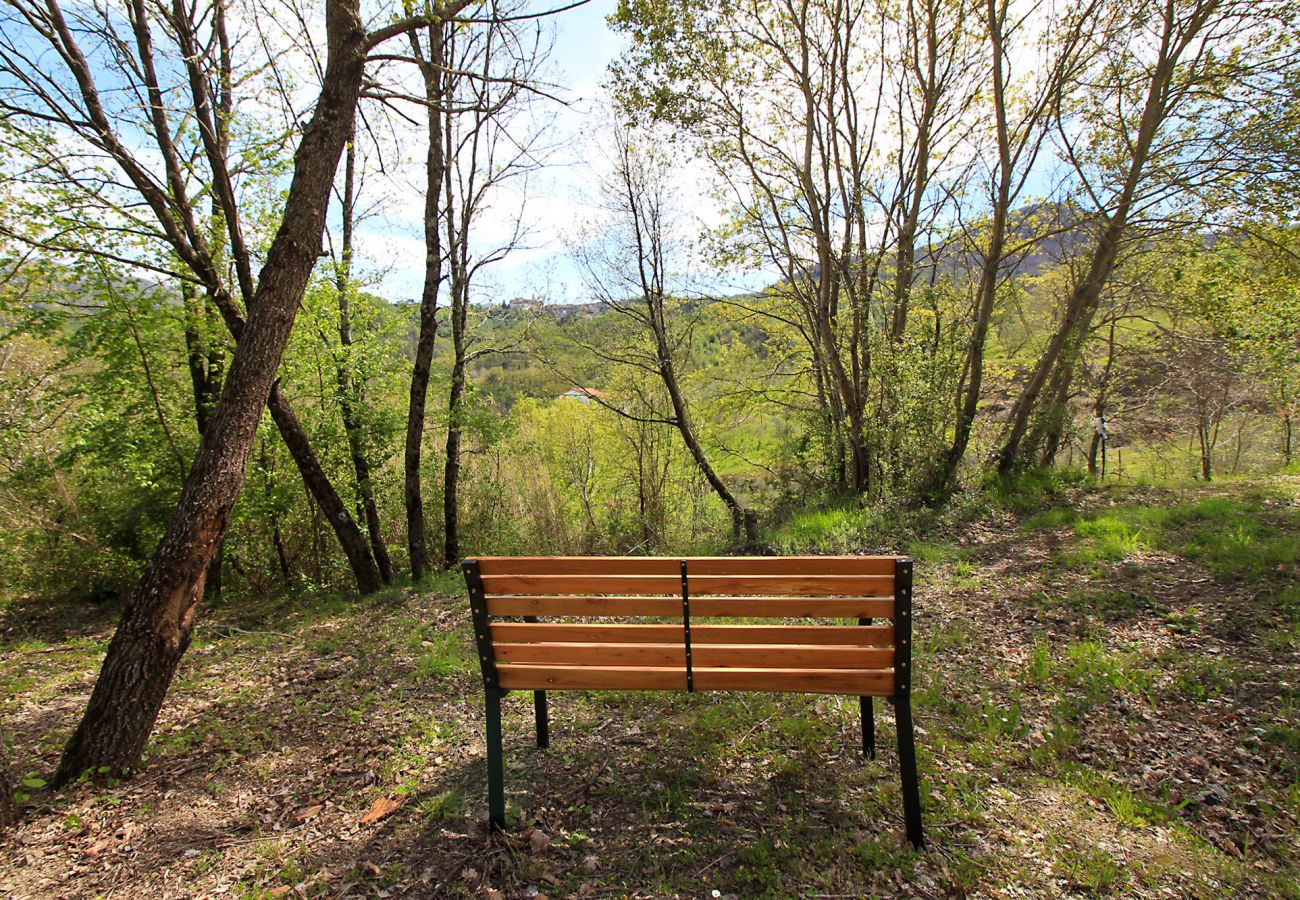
(380, 808)
(309, 812)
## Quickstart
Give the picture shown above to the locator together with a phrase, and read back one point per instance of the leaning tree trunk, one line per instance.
(668, 373)
(158, 621)
(364, 568)
(206, 361)
(1072, 331)
(362, 562)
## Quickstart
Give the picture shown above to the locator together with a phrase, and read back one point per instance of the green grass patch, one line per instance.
(1127, 808)
(1243, 535)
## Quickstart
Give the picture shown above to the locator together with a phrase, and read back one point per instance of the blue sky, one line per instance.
(392, 243)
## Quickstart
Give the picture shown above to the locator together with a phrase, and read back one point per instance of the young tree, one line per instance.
(626, 257)
(491, 78)
(351, 385)
(429, 58)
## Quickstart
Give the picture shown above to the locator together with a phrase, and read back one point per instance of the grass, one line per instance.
(1068, 720)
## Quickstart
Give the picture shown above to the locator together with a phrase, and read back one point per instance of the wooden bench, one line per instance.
(673, 652)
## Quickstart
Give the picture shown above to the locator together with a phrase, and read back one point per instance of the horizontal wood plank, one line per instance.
(525, 676)
(702, 607)
(698, 585)
(583, 584)
(579, 565)
(793, 607)
(697, 565)
(794, 585)
(778, 656)
(582, 654)
(866, 683)
(791, 565)
(599, 632)
(584, 606)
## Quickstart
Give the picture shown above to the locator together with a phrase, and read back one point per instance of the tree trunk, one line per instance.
(157, 623)
(1050, 431)
(451, 468)
(668, 374)
(8, 806)
(1069, 336)
(940, 484)
(365, 571)
(206, 361)
(1203, 436)
(434, 165)
(351, 398)
(364, 568)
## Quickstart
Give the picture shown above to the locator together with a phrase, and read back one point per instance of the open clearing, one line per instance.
(1108, 703)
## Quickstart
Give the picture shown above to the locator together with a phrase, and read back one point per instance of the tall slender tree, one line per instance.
(626, 257)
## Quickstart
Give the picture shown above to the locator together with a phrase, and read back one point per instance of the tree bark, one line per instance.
(364, 568)
(8, 805)
(1073, 329)
(351, 399)
(1099, 403)
(206, 361)
(157, 623)
(434, 165)
(942, 482)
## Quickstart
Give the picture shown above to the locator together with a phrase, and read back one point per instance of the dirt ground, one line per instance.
(1105, 705)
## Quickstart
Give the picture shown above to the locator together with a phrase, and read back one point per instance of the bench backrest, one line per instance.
(667, 647)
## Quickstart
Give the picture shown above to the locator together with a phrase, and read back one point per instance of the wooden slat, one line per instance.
(867, 683)
(582, 584)
(778, 656)
(789, 656)
(697, 565)
(579, 565)
(523, 676)
(862, 635)
(793, 607)
(580, 654)
(791, 565)
(700, 585)
(586, 632)
(596, 632)
(584, 606)
(796, 585)
(738, 607)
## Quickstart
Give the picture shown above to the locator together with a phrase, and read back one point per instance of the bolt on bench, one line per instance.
(517, 651)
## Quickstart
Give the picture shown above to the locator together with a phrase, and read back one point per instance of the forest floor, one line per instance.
(1107, 703)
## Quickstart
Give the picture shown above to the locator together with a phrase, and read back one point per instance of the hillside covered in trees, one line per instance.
(800, 272)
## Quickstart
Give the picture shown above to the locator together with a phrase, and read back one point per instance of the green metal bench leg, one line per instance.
(868, 727)
(543, 724)
(907, 770)
(496, 774)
